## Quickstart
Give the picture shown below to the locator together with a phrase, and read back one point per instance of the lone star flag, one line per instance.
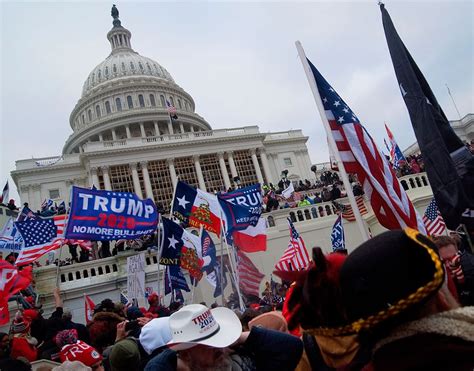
(40, 237)
(361, 156)
(197, 208)
(433, 220)
(173, 240)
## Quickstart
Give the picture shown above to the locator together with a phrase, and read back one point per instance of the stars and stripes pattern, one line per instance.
(361, 156)
(40, 237)
(433, 220)
(249, 275)
(296, 256)
(346, 210)
(171, 110)
(5, 193)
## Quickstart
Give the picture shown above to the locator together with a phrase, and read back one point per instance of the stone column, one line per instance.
(94, 179)
(136, 180)
(191, 127)
(24, 195)
(101, 137)
(181, 127)
(301, 164)
(105, 174)
(146, 179)
(170, 127)
(225, 176)
(36, 197)
(197, 165)
(233, 170)
(157, 128)
(174, 178)
(114, 135)
(266, 166)
(142, 129)
(127, 130)
(256, 165)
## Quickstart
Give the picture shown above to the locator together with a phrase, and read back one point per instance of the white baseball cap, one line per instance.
(196, 324)
(155, 334)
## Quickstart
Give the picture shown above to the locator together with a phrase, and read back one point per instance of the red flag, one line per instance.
(11, 281)
(252, 239)
(89, 308)
(249, 275)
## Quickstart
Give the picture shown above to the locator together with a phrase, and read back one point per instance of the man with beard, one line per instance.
(212, 339)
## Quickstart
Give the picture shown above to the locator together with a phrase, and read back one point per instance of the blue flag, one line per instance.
(208, 252)
(174, 239)
(174, 279)
(337, 235)
(178, 296)
(107, 215)
(10, 238)
(26, 214)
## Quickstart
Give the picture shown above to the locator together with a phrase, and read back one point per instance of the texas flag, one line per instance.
(174, 240)
(252, 239)
(197, 208)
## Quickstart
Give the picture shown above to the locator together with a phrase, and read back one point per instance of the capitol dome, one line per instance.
(124, 63)
(128, 96)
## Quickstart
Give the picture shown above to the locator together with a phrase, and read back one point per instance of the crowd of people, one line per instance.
(368, 310)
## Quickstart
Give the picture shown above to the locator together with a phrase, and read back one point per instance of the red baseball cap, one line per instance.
(80, 351)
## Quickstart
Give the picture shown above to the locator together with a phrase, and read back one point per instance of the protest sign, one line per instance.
(136, 277)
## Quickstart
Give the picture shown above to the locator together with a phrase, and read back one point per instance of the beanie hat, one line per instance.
(20, 324)
(80, 351)
(155, 334)
(385, 277)
(271, 320)
(124, 356)
(30, 314)
(134, 313)
(65, 337)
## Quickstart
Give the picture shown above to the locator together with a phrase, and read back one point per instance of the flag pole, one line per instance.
(332, 142)
(58, 267)
(158, 256)
(221, 272)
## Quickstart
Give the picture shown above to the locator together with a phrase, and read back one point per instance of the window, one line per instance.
(97, 111)
(82, 119)
(129, 101)
(89, 115)
(140, 65)
(186, 105)
(114, 68)
(132, 66)
(106, 71)
(179, 104)
(141, 100)
(148, 66)
(118, 103)
(99, 75)
(287, 161)
(152, 100)
(123, 66)
(107, 107)
(53, 194)
(162, 99)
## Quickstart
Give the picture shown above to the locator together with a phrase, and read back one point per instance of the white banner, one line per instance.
(136, 277)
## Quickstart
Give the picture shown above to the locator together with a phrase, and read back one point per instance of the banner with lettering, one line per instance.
(109, 215)
(249, 197)
(136, 276)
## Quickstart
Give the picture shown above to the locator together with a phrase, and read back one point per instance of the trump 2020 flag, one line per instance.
(448, 163)
(108, 215)
(197, 208)
(337, 235)
(252, 239)
(10, 238)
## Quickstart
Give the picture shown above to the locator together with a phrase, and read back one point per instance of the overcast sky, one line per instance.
(236, 59)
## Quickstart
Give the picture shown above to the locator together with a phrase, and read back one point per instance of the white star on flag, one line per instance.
(182, 201)
(173, 242)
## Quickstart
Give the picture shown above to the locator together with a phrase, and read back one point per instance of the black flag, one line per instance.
(448, 162)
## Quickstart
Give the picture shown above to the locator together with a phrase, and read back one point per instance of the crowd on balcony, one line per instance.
(338, 303)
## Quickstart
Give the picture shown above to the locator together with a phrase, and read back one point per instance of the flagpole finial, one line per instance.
(379, 3)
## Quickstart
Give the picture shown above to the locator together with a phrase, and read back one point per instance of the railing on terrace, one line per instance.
(197, 135)
(414, 181)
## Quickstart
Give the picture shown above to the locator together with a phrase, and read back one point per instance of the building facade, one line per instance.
(124, 139)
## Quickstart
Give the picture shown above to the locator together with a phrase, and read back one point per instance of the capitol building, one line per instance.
(124, 140)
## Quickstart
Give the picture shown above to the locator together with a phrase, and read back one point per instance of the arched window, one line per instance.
(162, 99)
(99, 75)
(89, 115)
(140, 65)
(107, 107)
(129, 101)
(93, 77)
(148, 66)
(123, 66)
(82, 119)
(107, 71)
(114, 68)
(97, 111)
(172, 101)
(186, 105)
(141, 100)
(132, 66)
(179, 104)
(118, 103)
(152, 100)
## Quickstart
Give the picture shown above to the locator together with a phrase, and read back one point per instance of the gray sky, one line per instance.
(237, 60)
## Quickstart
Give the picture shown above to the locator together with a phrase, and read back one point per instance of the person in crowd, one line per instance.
(154, 336)
(104, 251)
(395, 300)
(22, 343)
(357, 189)
(201, 340)
(335, 192)
(317, 198)
(11, 205)
(156, 307)
(82, 332)
(4, 345)
(83, 352)
(103, 327)
(326, 194)
(73, 251)
(303, 202)
(460, 265)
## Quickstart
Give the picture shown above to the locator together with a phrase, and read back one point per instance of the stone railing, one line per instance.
(414, 181)
(169, 138)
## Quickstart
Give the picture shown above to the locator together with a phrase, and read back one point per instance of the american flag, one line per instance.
(361, 156)
(295, 256)
(40, 237)
(249, 276)
(433, 220)
(346, 209)
(171, 110)
(47, 203)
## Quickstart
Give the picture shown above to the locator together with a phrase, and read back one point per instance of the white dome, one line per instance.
(124, 64)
